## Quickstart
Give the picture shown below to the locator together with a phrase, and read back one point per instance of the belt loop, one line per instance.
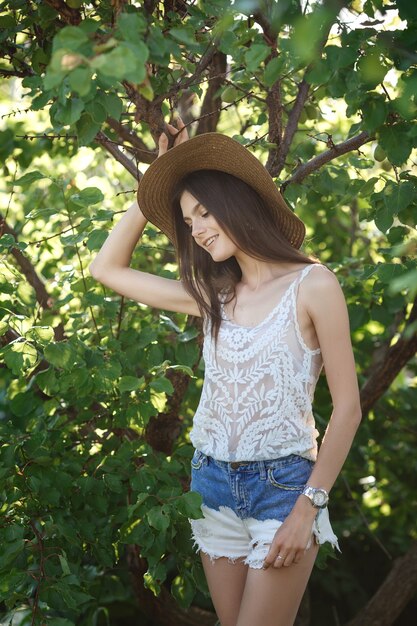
(262, 470)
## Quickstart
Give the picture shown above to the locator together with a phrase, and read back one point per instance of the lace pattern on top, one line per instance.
(256, 401)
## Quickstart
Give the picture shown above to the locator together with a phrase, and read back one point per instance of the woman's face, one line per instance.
(205, 229)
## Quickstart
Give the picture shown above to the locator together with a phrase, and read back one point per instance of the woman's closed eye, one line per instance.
(189, 225)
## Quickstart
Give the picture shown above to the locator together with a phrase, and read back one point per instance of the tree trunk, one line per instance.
(393, 595)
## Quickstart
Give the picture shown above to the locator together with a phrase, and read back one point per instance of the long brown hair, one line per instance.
(247, 220)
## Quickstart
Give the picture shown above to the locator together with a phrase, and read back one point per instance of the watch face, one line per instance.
(319, 498)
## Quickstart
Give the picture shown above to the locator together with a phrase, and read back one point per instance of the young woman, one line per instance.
(273, 318)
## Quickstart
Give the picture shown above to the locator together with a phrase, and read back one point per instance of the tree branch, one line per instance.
(28, 270)
(140, 150)
(395, 358)
(203, 63)
(291, 128)
(13, 73)
(321, 159)
(210, 108)
(276, 158)
(146, 110)
(270, 36)
(111, 147)
(393, 595)
(274, 104)
(69, 15)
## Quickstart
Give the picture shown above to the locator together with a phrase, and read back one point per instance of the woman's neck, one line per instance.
(256, 273)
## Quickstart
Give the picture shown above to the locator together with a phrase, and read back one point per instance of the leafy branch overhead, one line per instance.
(98, 392)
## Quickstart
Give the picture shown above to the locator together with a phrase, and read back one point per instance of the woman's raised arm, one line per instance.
(111, 266)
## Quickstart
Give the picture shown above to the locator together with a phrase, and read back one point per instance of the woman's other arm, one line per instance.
(328, 311)
(326, 306)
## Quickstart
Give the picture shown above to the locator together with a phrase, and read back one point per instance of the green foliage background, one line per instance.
(86, 373)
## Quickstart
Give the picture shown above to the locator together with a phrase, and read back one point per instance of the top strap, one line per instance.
(308, 268)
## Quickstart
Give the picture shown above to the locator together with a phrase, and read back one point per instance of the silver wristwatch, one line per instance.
(318, 496)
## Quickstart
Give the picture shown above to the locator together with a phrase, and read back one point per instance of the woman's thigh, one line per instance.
(226, 583)
(272, 597)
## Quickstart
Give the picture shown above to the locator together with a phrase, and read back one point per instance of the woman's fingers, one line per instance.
(163, 144)
(178, 134)
(282, 557)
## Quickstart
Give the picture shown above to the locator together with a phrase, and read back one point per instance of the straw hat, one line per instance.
(210, 151)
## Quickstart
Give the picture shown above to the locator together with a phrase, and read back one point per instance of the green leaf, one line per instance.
(319, 73)
(187, 353)
(7, 21)
(146, 336)
(29, 178)
(42, 334)
(162, 385)
(130, 383)
(10, 551)
(15, 531)
(183, 368)
(388, 271)
(9, 584)
(371, 69)
(23, 404)
(273, 70)
(340, 56)
(158, 517)
(87, 129)
(398, 197)
(7, 241)
(60, 354)
(407, 280)
(407, 10)
(185, 34)
(19, 356)
(131, 26)
(97, 111)
(70, 37)
(96, 239)
(182, 588)
(64, 565)
(71, 111)
(80, 80)
(187, 335)
(189, 504)
(374, 112)
(358, 316)
(87, 197)
(255, 55)
(383, 219)
(394, 139)
(127, 61)
(113, 105)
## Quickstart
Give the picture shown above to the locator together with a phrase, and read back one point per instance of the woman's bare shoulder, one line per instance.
(321, 288)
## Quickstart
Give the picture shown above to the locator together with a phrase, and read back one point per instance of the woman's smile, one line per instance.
(210, 240)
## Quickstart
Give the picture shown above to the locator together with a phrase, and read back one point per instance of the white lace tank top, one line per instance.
(256, 401)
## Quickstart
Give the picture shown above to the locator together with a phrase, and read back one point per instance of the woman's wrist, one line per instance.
(304, 507)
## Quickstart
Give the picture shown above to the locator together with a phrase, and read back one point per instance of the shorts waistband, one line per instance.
(260, 466)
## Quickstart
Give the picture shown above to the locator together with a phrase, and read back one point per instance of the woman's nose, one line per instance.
(197, 227)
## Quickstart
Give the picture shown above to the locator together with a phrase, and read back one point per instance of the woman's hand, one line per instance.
(181, 135)
(292, 537)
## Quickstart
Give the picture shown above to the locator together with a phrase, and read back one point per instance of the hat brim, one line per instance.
(210, 151)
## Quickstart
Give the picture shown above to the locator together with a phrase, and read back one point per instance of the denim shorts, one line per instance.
(244, 504)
